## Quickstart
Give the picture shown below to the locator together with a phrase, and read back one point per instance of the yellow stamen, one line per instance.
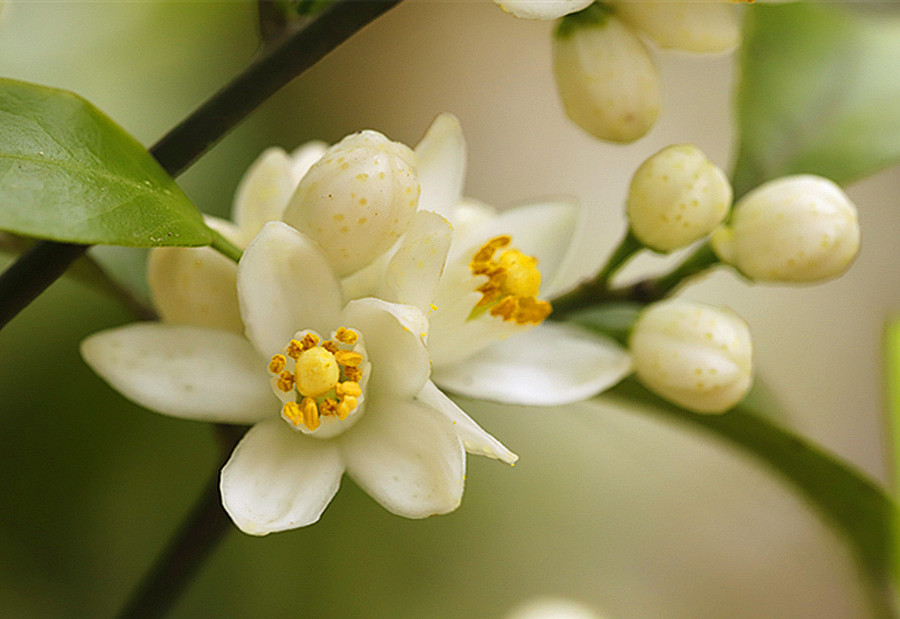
(345, 407)
(277, 364)
(292, 412)
(294, 348)
(328, 407)
(317, 372)
(348, 388)
(352, 373)
(330, 346)
(346, 336)
(310, 414)
(348, 358)
(285, 382)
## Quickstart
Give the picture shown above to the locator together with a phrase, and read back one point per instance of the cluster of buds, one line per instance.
(605, 75)
(793, 229)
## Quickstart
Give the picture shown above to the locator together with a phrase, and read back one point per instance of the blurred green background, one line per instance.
(609, 506)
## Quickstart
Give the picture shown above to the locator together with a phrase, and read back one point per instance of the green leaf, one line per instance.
(817, 92)
(69, 173)
(856, 507)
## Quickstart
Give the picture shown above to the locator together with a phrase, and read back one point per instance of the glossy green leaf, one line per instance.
(854, 505)
(817, 92)
(69, 173)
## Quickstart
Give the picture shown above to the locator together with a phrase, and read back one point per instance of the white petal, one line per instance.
(303, 158)
(263, 192)
(689, 26)
(414, 272)
(473, 436)
(183, 371)
(441, 165)
(542, 229)
(196, 286)
(394, 338)
(285, 284)
(542, 9)
(407, 457)
(551, 364)
(279, 479)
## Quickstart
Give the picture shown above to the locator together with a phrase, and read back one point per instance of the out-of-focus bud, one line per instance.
(357, 200)
(697, 356)
(605, 76)
(689, 26)
(792, 229)
(677, 196)
(542, 9)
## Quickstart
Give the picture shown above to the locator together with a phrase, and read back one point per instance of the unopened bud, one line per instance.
(792, 229)
(677, 196)
(695, 355)
(605, 76)
(689, 26)
(357, 200)
(542, 9)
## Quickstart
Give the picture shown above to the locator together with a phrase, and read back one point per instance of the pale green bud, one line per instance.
(677, 196)
(605, 76)
(357, 200)
(697, 356)
(792, 229)
(690, 26)
(542, 9)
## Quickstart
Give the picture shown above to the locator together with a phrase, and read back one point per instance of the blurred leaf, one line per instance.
(892, 383)
(856, 507)
(612, 319)
(817, 93)
(69, 173)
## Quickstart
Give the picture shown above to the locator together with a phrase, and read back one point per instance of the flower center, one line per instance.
(319, 380)
(513, 284)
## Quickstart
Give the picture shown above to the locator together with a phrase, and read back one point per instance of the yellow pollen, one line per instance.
(285, 382)
(292, 412)
(317, 372)
(277, 364)
(346, 336)
(330, 346)
(513, 283)
(294, 348)
(328, 407)
(348, 358)
(310, 413)
(310, 340)
(348, 388)
(353, 374)
(345, 407)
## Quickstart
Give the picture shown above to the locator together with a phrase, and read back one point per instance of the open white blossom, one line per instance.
(328, 389)
(482, 279)
(542, 9)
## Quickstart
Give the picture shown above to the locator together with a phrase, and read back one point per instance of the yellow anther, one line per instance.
(522, 276)
(277, 364)
(532, 311)
(310, 413)
(348, 358)
(294, 348)
(345, 407)
(309, 341)
(352, 373)
(346, 336)
(348, 388)
(328, 407)
(506, 309)
(285, 382)
(317, 372)
(292, 412)
(330, 346)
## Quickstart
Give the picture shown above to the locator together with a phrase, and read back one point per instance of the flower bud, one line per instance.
(793, 229)
(677, 196)
(605, 77)
(542, 9)
(695, 355)
(357, 200)
(690, 26)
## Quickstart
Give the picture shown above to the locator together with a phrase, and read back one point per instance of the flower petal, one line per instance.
(441, 165)
(474, 438)
(279, 479)
(406, 455)
(413, 274)
(550, 364)
(304, 157)
(285, 284)
(184, 371)
(263, 192)
(394, 336)
(196, 285)
(542, 9)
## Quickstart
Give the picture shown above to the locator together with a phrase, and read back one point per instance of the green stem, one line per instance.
(225, 247)
(278, 64)
(627, 248)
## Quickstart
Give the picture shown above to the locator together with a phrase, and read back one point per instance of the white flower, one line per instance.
(689, 26)
(676, 197)
(792, 229)
(542, 9)
(483, 285)
(697, 356)
(605, 76)
(328, 390)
